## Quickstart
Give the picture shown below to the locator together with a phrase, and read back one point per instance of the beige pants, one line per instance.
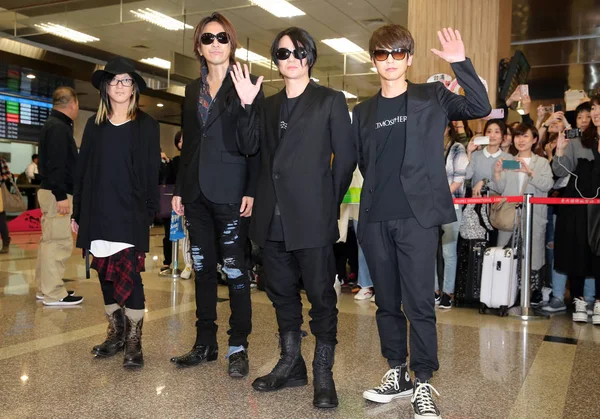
(56, 247)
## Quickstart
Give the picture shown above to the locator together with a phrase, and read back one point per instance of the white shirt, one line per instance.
(487, 154)
(523, 176)
(31, 171)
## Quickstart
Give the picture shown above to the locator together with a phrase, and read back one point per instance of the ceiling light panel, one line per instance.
(159, 19)
(66, 33)
(343, 45)
(279, 8)
(157, 62)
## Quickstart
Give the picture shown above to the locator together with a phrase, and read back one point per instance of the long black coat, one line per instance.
(210, 159)
(296, 170)
(423, 174)
(146, 149)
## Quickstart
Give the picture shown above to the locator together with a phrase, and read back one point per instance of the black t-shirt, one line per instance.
(114, 212)
(276, 227)
(389, 199)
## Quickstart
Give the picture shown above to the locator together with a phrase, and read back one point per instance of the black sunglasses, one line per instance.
(284, 53)
(208, 38)
(383, 54)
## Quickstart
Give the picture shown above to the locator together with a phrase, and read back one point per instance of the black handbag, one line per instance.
(165, 196)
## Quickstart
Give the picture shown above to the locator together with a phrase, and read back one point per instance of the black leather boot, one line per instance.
(325, 394)
(290, 370)
(5, 246)
(198, 355)
(133, 345)
(115, 335)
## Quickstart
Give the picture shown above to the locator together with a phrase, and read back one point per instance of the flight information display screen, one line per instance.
(25, 101)
(22, 119)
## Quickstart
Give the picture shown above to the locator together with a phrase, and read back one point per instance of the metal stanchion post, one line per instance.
(174, 272)
(527, 220)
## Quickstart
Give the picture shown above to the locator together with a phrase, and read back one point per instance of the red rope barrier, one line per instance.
(564, 201)
(487, 200)
(519, 199)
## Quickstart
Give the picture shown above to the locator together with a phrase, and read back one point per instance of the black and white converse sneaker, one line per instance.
(422, 401)
(394, 384)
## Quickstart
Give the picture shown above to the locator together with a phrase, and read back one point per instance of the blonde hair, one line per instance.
(105, 108)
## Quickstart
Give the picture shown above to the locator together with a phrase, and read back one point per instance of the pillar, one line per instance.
(485, 26)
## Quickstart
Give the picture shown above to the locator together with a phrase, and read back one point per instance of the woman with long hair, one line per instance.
(456, 169)
(573, 253)
(115, 201)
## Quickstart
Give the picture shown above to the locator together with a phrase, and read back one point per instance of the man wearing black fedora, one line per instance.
(115, 200)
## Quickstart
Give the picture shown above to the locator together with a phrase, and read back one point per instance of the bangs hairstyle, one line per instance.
(584, 107)
(501, 125)
(300, 38)
(392, 37)
(177, 138)
(227, 28)
(588, 137)
(105, 108)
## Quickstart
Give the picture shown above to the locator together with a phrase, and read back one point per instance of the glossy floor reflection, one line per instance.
(490, 367)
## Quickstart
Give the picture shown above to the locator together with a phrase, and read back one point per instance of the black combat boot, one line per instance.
(115, 335)
(325, 394)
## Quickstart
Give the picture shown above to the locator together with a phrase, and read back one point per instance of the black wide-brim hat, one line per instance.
(118, 65)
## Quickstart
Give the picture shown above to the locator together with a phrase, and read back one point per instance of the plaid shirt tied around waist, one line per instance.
(119, 269)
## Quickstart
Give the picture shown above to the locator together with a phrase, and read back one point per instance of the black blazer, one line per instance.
(210, 160)
(297, 170)
(146, 149)
(430, 106)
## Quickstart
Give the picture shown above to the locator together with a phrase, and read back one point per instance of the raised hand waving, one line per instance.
(453, 48)
(246, 90)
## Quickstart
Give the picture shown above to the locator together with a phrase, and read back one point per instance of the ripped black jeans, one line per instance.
(212, 225)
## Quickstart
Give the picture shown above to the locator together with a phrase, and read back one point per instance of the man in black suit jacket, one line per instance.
(216, 184)
(404, 200)
(299, 192)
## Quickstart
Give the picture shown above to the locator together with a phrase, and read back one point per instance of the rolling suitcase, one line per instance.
(468, 278)
(499, 280)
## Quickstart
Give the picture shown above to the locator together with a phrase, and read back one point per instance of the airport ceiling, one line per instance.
(561, 39)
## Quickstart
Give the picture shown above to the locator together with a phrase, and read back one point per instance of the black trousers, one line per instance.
(578, 283)
(401, 258)
(4, 228)
(211, 225)
(317, 267)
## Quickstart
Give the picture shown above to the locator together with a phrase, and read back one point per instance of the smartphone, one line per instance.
(481, 140)
(548, 109)
(511, 165)
(573, 133)
(496, 114)
(557, 108)
(524, 90)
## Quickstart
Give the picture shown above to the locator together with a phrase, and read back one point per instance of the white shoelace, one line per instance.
(580, 305)
(424, 399)
(389, 380)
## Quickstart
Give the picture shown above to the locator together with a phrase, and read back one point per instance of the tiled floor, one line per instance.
(490, 367)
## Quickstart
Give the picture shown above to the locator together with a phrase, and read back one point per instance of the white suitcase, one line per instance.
(498, 280)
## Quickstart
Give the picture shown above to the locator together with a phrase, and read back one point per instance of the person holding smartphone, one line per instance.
(405, 199)
(573, 254)
(482, 160)
(526, 173)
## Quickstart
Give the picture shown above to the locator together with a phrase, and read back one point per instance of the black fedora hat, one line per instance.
(118, 65)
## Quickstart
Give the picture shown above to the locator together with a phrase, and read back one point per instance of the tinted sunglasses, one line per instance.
(383, 54)
(284, 53)
(208, 38)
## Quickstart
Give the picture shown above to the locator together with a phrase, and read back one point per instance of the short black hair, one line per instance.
(177, 138)
(34, 156)
(584, 107)
(299, 38)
